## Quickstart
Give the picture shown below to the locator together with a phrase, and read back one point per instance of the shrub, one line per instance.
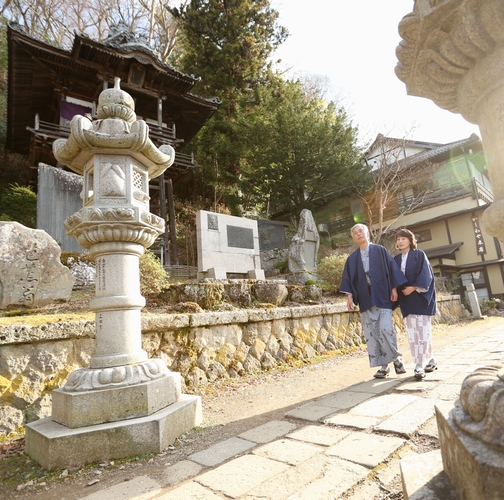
(19, 203)
(282, 266)
(330, 270)
(489, 305)
(153, 277)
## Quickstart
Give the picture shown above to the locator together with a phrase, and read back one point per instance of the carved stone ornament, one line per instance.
(444, 48)
(87, 379)
(115, 132)
(481, 413)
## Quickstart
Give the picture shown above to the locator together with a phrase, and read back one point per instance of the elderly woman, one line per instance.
(417, 300)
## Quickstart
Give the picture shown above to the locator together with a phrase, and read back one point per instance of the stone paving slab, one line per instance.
(140, 488)
(181, 471)
(349, 420)
(429, 428)
(408, 420)
(222, 451)
(268, 432)
(375, 386)
(290, 451)
(311, 412)
(383, 406)
(318, 434)
(416, 387)
(320, 478)
(425, 479)
(491, 358)
(442, 374)
(240, 475)
(446, 392)
(343, 399)
(188, 491)
(365, 449)
(458, 378)
(339, 477)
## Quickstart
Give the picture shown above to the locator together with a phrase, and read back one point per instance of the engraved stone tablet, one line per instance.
(240, 237)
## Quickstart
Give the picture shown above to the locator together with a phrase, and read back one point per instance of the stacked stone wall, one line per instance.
(203, 347)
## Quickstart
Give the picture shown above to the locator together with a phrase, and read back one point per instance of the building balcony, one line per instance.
(45, 133)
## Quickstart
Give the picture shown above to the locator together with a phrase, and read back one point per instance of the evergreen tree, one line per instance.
(303, 150)
(228, 44)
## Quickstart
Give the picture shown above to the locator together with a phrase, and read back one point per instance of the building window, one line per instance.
(136, 75)
(477, 278)
(424, 235)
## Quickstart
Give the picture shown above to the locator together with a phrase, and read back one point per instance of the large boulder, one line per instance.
(31, 273)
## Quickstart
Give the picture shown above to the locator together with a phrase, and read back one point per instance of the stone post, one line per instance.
(452, 52)
(473, 301)
(124, 403)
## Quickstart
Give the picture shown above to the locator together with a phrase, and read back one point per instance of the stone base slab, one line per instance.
(84, 408)
(55, 446)
(423, 478)
(475, 470)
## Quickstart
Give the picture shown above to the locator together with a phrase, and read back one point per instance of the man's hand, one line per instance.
(349, 302)
(409, 290)
(393, 295)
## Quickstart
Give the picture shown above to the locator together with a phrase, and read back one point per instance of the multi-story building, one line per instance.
(438, 191)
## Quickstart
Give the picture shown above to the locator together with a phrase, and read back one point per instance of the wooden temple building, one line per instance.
(47, 86)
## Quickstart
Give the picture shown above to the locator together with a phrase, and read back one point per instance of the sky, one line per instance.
(353, 42)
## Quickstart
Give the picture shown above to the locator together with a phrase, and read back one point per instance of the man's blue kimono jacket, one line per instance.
(418, 273)
(383, 273)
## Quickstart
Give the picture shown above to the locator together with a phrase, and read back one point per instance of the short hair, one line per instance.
(363, 226)
(406, 233)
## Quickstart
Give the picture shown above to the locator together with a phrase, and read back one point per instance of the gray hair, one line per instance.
(363, 226)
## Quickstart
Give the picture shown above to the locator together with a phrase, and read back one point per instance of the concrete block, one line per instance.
(55, 446)
(84, 408)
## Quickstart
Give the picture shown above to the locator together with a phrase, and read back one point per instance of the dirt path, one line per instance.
(229, 409)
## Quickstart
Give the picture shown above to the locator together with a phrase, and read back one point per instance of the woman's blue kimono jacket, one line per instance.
(418, 273)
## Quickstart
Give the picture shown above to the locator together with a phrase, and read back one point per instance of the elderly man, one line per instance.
(370, 280)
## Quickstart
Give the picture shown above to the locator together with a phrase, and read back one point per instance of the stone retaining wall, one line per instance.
(203, 347)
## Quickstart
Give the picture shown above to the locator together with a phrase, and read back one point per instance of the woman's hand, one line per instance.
(409, 290)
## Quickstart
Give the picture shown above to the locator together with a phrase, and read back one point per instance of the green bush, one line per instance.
(488, 305)
(19, 203)
(330, 270)
(153, 277)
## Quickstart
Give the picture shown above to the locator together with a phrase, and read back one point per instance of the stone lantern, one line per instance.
(452, 52)
(124, 403)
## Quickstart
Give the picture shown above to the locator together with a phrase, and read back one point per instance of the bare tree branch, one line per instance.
(56, 21)
(399, 185)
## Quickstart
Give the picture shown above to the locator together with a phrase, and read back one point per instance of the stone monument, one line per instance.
(452, 52)
(227, 245)
(124, 403)
(303, 249)
(31, 273)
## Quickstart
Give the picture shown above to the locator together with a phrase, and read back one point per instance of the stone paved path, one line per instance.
(325, 449)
